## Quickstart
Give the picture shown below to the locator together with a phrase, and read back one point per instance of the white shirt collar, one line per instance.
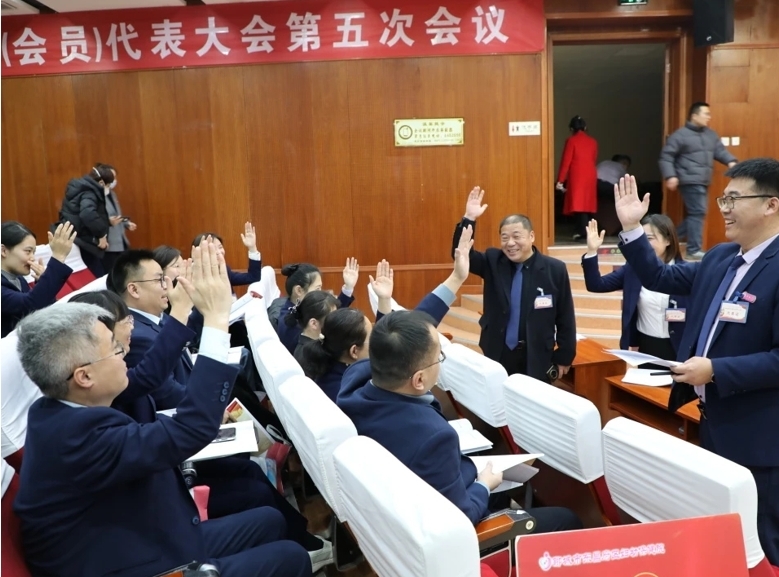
(752, 254)
(72, 404)
(152, 318)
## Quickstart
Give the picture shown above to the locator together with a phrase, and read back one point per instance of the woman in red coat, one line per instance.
(577, 166)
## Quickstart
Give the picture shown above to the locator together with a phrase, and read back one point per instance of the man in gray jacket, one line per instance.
(687, 163)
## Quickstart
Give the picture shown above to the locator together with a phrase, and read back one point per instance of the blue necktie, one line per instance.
(719, 296)
(512, 330)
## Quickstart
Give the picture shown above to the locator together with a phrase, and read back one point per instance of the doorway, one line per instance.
(619, 89)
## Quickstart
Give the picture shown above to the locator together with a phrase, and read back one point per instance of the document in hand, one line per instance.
(471, 440)
(644, 377)
(238, 310)
(516, 469)
(635, 358)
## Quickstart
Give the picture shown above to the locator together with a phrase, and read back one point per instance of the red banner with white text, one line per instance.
(267, 32)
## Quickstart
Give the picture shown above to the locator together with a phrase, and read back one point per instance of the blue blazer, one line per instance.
(101, 494)
(252, 274)
(144, 335)
(18, 304)
(417, 433)
(742, 405)
(289, 336)
(330, 382)
(154, 371)
(626, 280)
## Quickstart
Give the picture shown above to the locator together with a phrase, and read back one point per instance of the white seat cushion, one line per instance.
(6, 476)
(316, 427)
(17, 393)
(99, 284)
(275, 365)
(403, 526)
(266, 286)
(476, 382)
(653, 476)
(73, 260)
(561, 425)
(258, 325)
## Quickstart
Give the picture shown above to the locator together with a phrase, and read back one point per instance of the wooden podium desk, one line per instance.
(588, 374)
(648, 405)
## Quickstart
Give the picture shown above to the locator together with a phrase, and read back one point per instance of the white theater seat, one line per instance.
(73, 260)
(17, 394)
(266, 286)
(316, 427)
(275, 365)
(565, 428)
(258, 325)
(653, 476)
(476, 383)
(404, 527)
(98, 284)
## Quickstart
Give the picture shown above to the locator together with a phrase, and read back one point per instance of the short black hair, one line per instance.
(166, 255)
(315, 305)
(764, 171)
(14, 233)
(341, 329)
(577, 123)
(204, 235)
(696, 108)
(399, 345)
(517, 218)
(298, 274)
(126, 266)
(107, 300)
(622, 157)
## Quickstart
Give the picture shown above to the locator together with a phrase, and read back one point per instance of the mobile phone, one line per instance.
(225, 435)
(125, 219)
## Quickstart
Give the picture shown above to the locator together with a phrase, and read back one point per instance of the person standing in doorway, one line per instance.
(686, 163)
(578, 176)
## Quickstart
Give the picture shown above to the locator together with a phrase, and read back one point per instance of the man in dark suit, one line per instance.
(730, 347)
(102, 494)
(528, 305)
(388, 398)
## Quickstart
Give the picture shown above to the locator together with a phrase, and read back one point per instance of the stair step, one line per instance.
(473, 303)
(608, 302)
(588, 319)
(465, 338)
(464, 319)
(574, 266)
(577, 250)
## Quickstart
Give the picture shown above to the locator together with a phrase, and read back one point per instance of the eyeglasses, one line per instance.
(441, 359)
(118, 351)
(160, 280)
(727, 202)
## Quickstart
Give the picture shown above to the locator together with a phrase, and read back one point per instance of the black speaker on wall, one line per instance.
(712, 21)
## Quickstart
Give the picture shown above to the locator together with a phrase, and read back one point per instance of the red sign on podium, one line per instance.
(700, 547)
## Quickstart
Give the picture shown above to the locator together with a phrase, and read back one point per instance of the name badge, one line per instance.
(675, 315)
(543, 302)
(730, 312)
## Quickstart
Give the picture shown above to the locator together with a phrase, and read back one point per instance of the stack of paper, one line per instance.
(635, 358)
(238, 310)
(516, 469)
(644, 377)
(471, 440)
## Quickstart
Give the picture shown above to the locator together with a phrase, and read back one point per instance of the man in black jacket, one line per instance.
(687, 163)
(528, 305)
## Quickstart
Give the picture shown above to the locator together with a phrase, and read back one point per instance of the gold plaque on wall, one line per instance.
(430, 132)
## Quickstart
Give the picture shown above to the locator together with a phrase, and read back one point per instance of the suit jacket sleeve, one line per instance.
(478, 261)
(90, 217)
(43, 294)
(671, 279)
(565, 161)
(253, 274)
(596, 283)
(158, 362)
(565, 322)
(344, 300)
(108, 451)
(668, 154)
(438, 463)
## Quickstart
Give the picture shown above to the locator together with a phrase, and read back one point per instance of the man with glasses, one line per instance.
(100, 493)
(730, 347)
(388, 398)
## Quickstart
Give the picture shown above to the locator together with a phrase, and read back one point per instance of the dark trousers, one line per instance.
(249, 544)
(553, 519)
(515, 362)
(582, 220)
(767, 481)
(238, 484)
(695, 197)
(94, 263)
(661, 348)
(109, 258)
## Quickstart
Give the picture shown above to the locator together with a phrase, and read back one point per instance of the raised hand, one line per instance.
(37, 268)
(594, 238)
(180, 303)
(209, 288)
(473, 206)
(462, 261)
(62, 241)
(249, 237)
(351, 273)
(384, 281)
(630, 208)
